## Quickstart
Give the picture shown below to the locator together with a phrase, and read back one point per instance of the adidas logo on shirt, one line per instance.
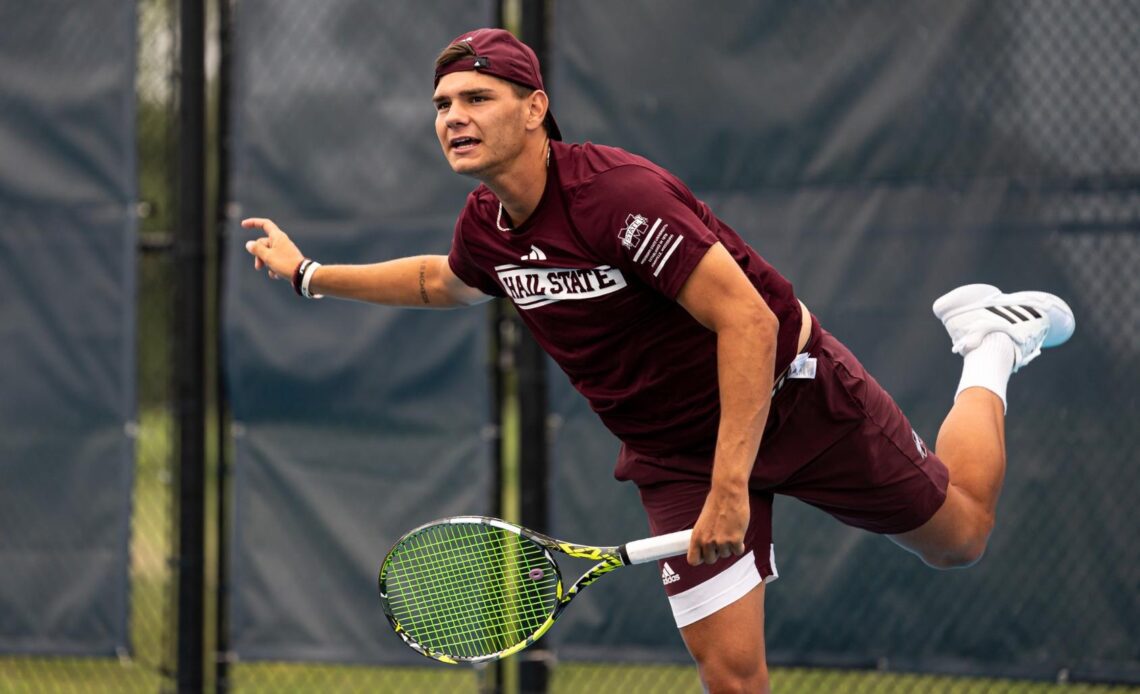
(668, 575)
(535, 254)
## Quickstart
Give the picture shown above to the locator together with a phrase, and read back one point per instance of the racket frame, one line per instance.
(608, 559)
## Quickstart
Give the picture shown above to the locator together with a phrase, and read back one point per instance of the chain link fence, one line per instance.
(881, 153)
(154, 617)
(147, 664)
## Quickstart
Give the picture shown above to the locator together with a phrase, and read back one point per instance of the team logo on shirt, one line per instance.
(655, 244)
(632, 231)
(532, 287)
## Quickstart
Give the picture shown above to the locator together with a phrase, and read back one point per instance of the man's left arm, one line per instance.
(719, 296)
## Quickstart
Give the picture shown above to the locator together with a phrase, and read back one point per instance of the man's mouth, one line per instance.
(463, 144)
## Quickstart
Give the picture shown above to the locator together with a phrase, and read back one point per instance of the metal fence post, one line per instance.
(534, 667)
(222, 656)
(190, 347)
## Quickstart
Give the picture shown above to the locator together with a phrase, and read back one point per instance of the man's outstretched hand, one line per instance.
(275, 250)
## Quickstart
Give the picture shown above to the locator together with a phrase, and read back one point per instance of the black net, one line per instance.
(76, 78)
(373, 421)
(880, 154)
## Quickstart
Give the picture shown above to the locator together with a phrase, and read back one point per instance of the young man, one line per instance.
(695, 353)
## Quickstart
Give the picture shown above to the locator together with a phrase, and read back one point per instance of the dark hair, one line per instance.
(461, 50)
(456, 51)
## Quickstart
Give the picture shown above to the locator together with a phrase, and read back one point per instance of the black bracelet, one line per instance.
(299, 274)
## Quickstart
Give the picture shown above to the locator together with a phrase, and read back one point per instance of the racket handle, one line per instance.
(660, 547)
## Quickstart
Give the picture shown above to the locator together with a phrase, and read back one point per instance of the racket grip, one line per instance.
(659, 547)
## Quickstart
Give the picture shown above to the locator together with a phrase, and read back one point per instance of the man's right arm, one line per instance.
(425, 281)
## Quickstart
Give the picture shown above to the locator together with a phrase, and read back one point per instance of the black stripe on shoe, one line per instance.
(1014, 311)
(995, 310)
(1031, 311)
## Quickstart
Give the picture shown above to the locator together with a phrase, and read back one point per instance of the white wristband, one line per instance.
(305, 281)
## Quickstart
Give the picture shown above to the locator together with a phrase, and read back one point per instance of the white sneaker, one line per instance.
(1032, 319)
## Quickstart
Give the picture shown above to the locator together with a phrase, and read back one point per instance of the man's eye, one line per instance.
(441, 106)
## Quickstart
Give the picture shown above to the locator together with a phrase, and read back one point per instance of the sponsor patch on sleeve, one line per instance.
(651, 244)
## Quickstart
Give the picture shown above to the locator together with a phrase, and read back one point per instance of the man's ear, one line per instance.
(538, 103)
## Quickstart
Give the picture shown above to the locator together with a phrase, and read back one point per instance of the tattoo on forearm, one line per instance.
(423, 282)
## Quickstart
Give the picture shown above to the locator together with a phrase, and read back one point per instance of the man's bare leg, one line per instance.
(997, 334)
(971, 443)
(728, 646)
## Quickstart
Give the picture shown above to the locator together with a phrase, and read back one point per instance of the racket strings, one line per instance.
(470, 590)
(479, 612)
(485, 615)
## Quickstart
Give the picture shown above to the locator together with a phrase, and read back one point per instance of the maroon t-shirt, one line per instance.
(595, 272)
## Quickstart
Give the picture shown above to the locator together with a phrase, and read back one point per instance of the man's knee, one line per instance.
(955, 558)
(961, 549)
(725, 676)
(955, 538)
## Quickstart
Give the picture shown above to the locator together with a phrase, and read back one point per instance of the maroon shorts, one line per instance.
(838, 442)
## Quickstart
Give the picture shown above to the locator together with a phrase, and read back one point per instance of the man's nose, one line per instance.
(455, 116)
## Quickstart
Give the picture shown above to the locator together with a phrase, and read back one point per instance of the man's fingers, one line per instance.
(694, 555)
(701, 553)
(259, 247)
(258, 263)
(264, 249)
(254, 249)
(711, 552)
(271, 230)
(257, 222)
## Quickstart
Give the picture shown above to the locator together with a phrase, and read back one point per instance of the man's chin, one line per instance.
(465, 167)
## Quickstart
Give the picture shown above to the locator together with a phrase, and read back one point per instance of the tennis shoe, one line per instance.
(1033, 320)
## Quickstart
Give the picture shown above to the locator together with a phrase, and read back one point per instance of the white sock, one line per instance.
(989, 366)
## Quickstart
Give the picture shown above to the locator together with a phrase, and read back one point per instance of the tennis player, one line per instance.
(721, 385)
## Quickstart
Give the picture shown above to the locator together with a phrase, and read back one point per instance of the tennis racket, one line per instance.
(471, 589)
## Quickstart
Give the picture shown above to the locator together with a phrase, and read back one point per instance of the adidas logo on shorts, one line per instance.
(668, 575)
